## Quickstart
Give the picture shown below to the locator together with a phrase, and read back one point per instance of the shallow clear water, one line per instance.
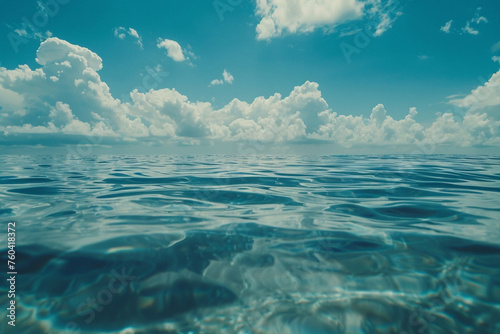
(257, 244)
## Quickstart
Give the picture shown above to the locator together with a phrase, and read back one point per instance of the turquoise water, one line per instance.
(257, 244)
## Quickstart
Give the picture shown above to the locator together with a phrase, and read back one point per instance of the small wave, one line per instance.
(224, 244)
(14, 180)
(39, 191)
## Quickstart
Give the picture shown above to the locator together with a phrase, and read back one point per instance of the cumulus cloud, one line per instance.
(486, 95)
(280, 17)
(379, 128)
(170, 114)
(122, 32)
(65, 98)
(62, 96)
(54, 49)
(215, 82)
(226, 78)
(174, 49)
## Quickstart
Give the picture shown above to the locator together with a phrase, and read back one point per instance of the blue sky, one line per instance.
(353, 70)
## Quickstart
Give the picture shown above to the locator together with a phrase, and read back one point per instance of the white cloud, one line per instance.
(28, 30)
(446, 28)
(29, 129)
(475, 129)
(171, 113)
(495, 47)
(378, 129)
(385, 12)
(476, 20)
(11, 100)
(173, 48)
(21, 32)
(481, 19)
(122, 32)
(79, 103)
(471, 26)
(62, 94)
(61, 114)
(483, 96)
(468, 29)
(53, 50)
(281, 17)
(216, 82)
(226, 78)
(133, 33)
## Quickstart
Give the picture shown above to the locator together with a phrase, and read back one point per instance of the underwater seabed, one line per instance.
(258, 279)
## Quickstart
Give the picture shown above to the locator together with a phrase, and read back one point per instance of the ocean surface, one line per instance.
(253, 244)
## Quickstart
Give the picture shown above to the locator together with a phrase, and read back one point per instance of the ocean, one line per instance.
(252, 244)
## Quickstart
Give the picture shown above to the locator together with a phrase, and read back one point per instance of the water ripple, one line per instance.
(268, 244)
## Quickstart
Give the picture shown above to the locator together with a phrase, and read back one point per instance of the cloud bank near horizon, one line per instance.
(65, 98)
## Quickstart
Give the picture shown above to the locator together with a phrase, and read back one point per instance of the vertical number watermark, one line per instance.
(11, 272)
